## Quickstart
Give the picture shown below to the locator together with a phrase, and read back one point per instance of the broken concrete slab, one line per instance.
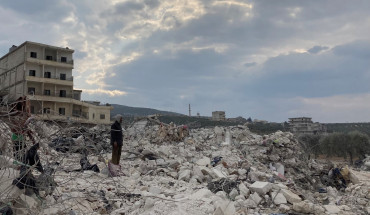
(244, 190)
(278, 198)
(332, 209)
(261, 187)
(256, 198)
(290, 196)
(203, 161)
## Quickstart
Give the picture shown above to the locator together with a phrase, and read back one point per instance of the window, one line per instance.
(32, 73)
(47, 74)
(62, 93)
(102, 116)
(62, 76)
(31, 90)
(62, 111)
(49, 57)
(46, 110)
(47, 92)
(33, 109)
(63, 59)
(33, 54)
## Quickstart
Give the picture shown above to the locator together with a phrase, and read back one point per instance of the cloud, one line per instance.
(337, 108)
(317, 49)
(104, 92)
(250, 64)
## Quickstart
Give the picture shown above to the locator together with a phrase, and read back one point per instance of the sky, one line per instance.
(262, 59)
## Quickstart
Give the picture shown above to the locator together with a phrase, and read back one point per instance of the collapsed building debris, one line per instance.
(169, 169)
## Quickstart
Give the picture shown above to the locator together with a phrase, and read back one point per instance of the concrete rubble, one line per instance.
(168, 170)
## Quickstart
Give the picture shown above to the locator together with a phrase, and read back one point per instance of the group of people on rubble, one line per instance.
(20, 117)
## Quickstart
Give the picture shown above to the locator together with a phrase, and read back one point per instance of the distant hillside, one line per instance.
(348, 127)
(139, 111)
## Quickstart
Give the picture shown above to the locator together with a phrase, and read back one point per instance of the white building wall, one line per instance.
(37, 68)
(13, 59)
(34, 48)
(68, 72)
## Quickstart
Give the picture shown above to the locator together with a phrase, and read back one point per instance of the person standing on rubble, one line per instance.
(116, 139)
(20, 116)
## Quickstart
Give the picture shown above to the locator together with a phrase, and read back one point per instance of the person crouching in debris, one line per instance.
(116, 139)
(20, 116)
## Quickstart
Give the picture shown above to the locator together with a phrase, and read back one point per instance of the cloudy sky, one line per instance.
(264, 59)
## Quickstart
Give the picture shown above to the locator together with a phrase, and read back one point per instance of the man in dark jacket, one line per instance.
(116, 139)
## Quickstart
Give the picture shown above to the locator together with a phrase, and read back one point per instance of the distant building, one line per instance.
(44, 74)
(218, 116)
(260, 121)
(305, 125)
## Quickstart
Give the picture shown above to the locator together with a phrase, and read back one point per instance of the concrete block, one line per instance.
(244, 190)
(203, 161)
(290, 196)
(332, 209)
(261, 187)
(303, 207)
(233, 194)
(184, 175)
(278, 198)
(200, 194)
(256, 198)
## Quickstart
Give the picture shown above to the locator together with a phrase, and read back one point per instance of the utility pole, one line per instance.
(189, 110)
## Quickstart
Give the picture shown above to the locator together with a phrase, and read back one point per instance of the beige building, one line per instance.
(218, 115)
(305, 125)
(44, 74)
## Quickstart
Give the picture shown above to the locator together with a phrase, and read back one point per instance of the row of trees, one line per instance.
(347, 145)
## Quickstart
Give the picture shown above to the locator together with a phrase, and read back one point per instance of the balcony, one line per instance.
(51, 80)
(52, 62)
(52, 58)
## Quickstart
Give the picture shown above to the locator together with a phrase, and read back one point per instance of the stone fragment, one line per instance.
(256, 198)
(260, 187)
(353, 178)
(244, 190)
(203, 161)
(149, 203)
(284, 208)
(303, 207)
(290, 196)
(226, 207)
(278, 198)
(155, 190)
(202, 193)
(218, 173)
(184, 175)
(197, 173)
(362, 201)
(249, 203)
(233, 194)
(332, 209)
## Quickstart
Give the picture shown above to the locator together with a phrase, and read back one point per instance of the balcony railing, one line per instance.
(58, 78)
(60, 61)
(52, 94)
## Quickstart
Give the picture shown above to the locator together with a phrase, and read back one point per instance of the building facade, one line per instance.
(218, 115)
(44, 74)
(305, 125)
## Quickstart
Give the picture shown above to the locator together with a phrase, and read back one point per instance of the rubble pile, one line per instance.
(168, 169)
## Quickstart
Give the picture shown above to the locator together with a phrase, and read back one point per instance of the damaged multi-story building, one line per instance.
(218, 115)
(305, 125)
(43, 73)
